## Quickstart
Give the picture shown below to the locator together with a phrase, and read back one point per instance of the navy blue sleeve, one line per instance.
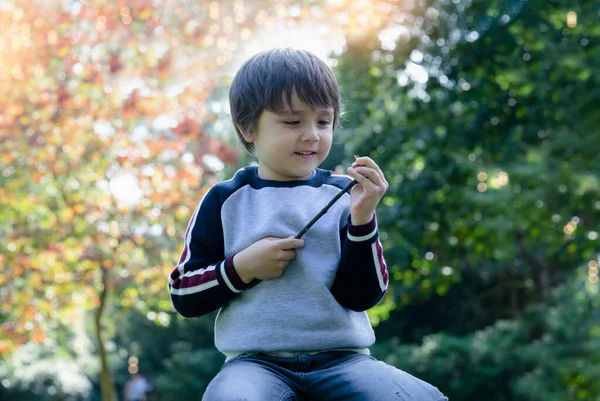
(362, 276)
(203, 280)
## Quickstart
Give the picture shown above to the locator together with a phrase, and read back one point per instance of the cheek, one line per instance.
(327, 138)
(280, 143)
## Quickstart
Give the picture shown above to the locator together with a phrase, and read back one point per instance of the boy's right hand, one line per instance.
(266, 258)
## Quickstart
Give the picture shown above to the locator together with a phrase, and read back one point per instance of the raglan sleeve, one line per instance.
(362, 277)
(203, 279)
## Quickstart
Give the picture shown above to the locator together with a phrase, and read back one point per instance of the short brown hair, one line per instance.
(269, 77)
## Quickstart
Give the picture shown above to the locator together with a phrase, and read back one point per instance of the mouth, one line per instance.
(306, 153)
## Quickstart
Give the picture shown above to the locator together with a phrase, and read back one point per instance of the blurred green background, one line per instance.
(484, 116)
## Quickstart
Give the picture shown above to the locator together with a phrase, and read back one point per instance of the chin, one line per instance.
(304, 176)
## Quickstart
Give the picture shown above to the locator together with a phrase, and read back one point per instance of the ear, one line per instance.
(249, 136)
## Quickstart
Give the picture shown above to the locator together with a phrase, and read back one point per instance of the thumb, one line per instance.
(292, 242)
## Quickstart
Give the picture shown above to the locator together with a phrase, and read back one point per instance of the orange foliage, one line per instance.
(81, 100)
(99, 103)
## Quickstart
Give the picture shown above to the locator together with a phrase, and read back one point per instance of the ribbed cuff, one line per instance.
(231, 276)
(363, 232)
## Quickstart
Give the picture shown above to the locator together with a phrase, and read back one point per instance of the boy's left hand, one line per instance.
(365, 196)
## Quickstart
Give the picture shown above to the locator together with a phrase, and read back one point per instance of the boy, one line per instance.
(292, 321)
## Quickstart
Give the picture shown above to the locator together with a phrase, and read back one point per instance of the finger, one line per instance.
(364, 161)
(291, 243)
(362, 180)
(370, 174)
(288, 254)
(368, 162)
(380, 172)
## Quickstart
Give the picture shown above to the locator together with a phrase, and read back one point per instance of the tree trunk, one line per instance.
(107, 387)
(544, 278)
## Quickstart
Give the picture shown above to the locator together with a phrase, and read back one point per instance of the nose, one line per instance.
(311, 133)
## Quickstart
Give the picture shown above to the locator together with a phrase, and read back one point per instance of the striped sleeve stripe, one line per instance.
(226, 279)
(380, 265)
(194, 278)
(362, 238)
(193, 290)
(195, 281)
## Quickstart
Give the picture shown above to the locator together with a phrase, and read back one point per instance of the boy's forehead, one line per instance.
(296, 109)
(298, 105)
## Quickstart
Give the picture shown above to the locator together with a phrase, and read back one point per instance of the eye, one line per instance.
(324, 123)
(292, 123)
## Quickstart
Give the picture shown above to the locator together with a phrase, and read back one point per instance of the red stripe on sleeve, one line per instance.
(382, 265)
(202, 276)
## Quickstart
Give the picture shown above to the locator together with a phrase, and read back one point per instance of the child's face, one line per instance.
(291, 145)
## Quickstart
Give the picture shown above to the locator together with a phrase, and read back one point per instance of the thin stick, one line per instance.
(324, 210)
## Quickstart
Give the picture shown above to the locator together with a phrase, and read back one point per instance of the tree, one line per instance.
(486, 178)
(549, 353)
(482, 116)
(105, 149)
(104, 159)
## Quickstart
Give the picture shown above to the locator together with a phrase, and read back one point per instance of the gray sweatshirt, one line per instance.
(318, 303)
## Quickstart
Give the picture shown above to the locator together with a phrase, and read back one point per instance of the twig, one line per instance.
(324, 210)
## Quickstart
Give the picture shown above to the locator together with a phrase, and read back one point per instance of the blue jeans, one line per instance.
(327, 376)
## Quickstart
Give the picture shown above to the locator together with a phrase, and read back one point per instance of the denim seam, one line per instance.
(286, 395)
(306, 386)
